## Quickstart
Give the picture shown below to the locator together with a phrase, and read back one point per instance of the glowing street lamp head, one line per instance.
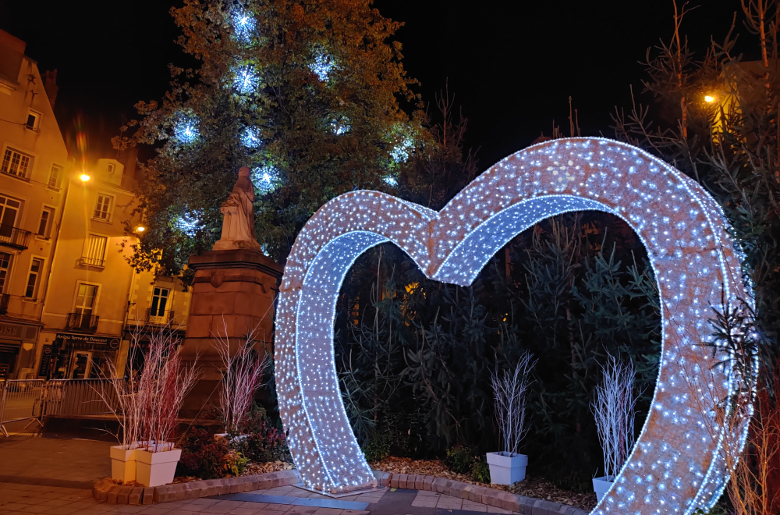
(140, 229)
(709, 99)
(84, 177)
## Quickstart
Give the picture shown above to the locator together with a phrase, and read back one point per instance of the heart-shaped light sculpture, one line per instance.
(678, 463)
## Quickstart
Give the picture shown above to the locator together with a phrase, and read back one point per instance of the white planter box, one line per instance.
(156, 468)
(123, 465)
(506, 468)
(600, 486)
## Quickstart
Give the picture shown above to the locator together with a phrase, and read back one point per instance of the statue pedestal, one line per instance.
(232, 293)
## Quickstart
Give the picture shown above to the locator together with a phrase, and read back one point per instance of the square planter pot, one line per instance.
(506, 468)
(156, 468)
(123, 465)
(600, 486)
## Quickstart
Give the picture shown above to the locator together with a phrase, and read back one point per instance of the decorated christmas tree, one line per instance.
(306, 93)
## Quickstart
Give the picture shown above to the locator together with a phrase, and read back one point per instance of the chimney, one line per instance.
(50, 85)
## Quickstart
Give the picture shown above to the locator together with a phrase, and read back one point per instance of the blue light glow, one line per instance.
(246, 79)
(322, 66)
(186, 130)
(400, 152)
(244, 26)
(250, 137)
(188, 223)
(340, 127)
(390, 180)
(265, 178)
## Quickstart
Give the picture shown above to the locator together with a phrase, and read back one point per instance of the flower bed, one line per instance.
(531, 487)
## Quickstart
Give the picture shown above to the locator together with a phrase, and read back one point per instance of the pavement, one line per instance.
(54, 476)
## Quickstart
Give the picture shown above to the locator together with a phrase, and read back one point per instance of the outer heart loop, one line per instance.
(678, 461)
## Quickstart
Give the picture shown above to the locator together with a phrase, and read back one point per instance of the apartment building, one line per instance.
(34, 170)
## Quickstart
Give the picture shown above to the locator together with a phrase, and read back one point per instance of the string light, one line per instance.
(250, 137)
(244, 25)
(678, 463)
(265, 178)
(186, 129)
(400, 153)
(322, 66)
(246, 80)
(340, 127)
(390, 180)
(188, 223)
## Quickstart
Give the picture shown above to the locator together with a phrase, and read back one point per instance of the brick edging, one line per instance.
(108, 491)
(489, 496)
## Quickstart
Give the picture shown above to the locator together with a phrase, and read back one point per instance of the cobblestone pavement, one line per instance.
(17, 499)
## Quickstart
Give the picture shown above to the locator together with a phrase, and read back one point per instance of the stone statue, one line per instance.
(238, 216)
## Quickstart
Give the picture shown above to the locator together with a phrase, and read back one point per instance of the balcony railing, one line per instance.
(158, 317)
(4, 298)
(82, 323)
(90, 261)
(14, 237)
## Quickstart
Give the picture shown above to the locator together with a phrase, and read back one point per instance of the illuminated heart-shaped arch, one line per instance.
(678, 463)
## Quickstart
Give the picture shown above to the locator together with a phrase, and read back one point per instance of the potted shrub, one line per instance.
(509, 391)
(614, 409)
(122, 400)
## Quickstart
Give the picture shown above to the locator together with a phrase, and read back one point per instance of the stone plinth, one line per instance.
(232, 293)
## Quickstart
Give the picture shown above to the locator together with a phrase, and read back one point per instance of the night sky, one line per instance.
(511, 65)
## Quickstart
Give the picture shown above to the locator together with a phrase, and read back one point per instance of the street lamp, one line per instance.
(84, 177)
(140, 229)
(709, 99)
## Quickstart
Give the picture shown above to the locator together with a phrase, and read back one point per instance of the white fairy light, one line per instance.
(246, 79)
(250, 137)
(678, 463)
(186, 129)
(400, 153)
(390, 180)
(188, 223)
(265, 178)
(340, 127)
(244, 25)
(322, 66)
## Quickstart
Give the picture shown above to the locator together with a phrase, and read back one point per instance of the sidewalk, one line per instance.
(54, 476)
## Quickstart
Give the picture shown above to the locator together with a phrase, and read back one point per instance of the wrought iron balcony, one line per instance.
(82, 323)
(158, 317)
(90, 261)
(14, 237)
(4, 298)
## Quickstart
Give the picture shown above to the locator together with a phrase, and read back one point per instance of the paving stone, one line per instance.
(148, 495)
(112, 494)
(136, 496)
(456, 489)
(393, 481)
(402, 481)
(428, 483)
(441, 485)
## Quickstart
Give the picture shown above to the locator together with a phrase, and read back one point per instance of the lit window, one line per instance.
(111, 168)
(44, 226)
(36, 268)
(103, 208)
(94, 250)
(16, 163)
(55, 176)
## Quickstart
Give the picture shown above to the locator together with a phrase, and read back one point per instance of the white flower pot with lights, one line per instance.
(506, 468)
(156, 465)
(601, 485)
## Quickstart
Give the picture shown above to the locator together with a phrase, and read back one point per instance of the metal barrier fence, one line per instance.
(33, 399)
(20, 401)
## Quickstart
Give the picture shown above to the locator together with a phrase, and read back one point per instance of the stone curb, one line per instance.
(107, 491)
(481, 494)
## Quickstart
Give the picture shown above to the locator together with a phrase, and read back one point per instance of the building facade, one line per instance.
(70, 303)
(34, 168)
